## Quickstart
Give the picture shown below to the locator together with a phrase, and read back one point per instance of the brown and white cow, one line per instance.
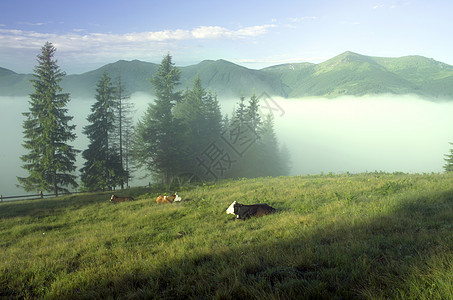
(168, 199)
(243, 211)
(116, 199)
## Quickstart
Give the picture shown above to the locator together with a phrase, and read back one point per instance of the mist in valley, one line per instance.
(348, 134)
(366, 134)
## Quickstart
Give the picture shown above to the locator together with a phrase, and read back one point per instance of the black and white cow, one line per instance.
(243, 211)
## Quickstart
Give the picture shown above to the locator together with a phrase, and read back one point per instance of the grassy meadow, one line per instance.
(365, 236)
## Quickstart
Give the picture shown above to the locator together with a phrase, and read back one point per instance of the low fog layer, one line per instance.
(350, 134)
(380, 133)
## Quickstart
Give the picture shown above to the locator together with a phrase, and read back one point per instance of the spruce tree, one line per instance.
(50, 159)
(252, 114)
(263, 156)
(190, 109)
(240, 114)
(190, 112)
(269, 160)
(102, 169)
(124, 125)
(448, 167)
(285, 160)
(199, 111)
(159, 140)
(213, 121)
(245, 128)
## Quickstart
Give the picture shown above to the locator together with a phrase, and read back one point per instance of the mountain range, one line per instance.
(346, 74)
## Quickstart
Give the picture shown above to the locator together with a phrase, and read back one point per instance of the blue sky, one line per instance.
(255, 34)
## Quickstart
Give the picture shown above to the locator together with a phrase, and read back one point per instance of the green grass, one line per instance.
(372, 236)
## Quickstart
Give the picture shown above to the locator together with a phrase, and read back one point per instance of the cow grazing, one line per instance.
(168, 199)
(116, 199)
(246, 211)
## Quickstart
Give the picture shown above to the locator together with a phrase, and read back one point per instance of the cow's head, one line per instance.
(113, 197)
(230, 209)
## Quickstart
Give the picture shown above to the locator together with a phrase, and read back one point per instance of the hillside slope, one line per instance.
(134, 75)
(351, 74)
(372, 236)
(346, 74)
(354, 74)
(230, 80)
(14, 84)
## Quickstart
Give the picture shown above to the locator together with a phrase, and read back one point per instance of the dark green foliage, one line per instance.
(50, 159)
(262, 157)
(252, 115)
(159, 141)
(125, 128)
(103, 168)
(272, 159)
(199, 112)
(212, 117)
(448, 167)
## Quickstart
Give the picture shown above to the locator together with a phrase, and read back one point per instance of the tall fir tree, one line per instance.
(239, 114)
(252, 114)
(269, 160)
(448, 167)
(262, 157)
(102, 169)
(244, 128)
(200, 114)
(50, 159)
(213, 121)
(285, 160)
(159, 140)
(124, 125)
(190, 112)
(253, 161)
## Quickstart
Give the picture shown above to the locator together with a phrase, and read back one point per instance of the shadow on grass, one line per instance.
(372, 259)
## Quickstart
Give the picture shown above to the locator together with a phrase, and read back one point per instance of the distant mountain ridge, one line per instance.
(346, 74)
(354, 74)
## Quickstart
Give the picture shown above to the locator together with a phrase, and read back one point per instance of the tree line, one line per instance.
(182, 134)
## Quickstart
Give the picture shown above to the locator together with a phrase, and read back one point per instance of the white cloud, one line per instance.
(202, 32)
(13, 38)
(31, 24)
(77, 46)
(298, 20)
(209, 32)
(253, 31)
